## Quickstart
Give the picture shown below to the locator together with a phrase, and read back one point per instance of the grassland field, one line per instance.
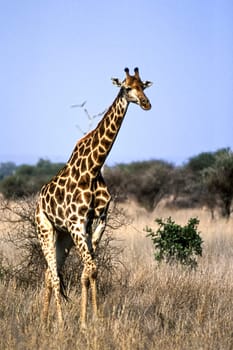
(151, 307)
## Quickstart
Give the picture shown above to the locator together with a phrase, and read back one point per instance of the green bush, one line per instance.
(176, 244)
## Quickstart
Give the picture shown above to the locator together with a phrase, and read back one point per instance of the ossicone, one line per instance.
(127, 71)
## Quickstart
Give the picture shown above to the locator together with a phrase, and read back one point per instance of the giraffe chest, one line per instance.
(67, 204)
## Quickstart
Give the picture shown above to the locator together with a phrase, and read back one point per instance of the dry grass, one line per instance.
(150, 308)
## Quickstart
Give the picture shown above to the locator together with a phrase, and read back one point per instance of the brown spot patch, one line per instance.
(73, 207)
(84, 182)
(59, 194)
(62, 182)
(43, 205)
(95, 142)
(113, 127)
(53, 205)
(83, 165)
(52, 187)
(87, 196)
(43, 190)
(88, 142)
(75, 172)
(81, 148)
(95, 154)
(101, 129)
(60, 212)
(38, 220)
(76, 195)
(101, 158)
(110, 134)
(101, 149)
(68, 198)
(87, 151)
(74, 217)
(58, 222)
(82, 210)
(106, 143)
(72, 186)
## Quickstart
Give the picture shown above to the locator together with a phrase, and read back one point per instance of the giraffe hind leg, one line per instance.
(47, 238)
(64, 243)
(52, 284)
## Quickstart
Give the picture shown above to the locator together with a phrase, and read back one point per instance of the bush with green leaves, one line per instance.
(176, 244)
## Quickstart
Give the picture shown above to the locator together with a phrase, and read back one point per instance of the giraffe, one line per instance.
(77, 197)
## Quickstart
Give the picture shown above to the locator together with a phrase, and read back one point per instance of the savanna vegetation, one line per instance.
(204, 180)
(144, 302)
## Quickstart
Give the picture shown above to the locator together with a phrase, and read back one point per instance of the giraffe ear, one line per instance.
(116, 82)
(147, 84)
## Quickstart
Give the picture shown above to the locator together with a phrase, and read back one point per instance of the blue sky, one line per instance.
(58, 53)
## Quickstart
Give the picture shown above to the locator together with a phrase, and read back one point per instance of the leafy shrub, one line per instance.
(176, 244)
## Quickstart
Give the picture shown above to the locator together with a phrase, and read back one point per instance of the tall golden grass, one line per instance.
(151, 307)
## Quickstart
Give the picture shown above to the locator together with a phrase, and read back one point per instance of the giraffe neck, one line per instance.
(94, 147)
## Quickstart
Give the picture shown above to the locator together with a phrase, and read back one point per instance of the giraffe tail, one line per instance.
(63, 288)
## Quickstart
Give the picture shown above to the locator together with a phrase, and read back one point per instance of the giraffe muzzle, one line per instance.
(145, 104)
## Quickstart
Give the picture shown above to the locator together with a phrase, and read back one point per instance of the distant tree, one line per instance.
(7, 169)
(115, 179)
(25, 170)
(184, 186)
(46, 168)
(12, 187)
(152, 184)
(43, 164)
(144, 181)
(218, 179)
(28, 179)
(201, 161)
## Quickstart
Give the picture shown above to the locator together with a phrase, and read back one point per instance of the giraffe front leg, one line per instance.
(47, 296)
(89, 276)
(94, 295)
(89, 273)
(84, 295)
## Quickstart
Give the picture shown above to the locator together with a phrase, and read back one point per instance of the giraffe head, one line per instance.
(133, 88)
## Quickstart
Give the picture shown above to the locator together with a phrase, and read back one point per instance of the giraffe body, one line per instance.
(78, 195)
